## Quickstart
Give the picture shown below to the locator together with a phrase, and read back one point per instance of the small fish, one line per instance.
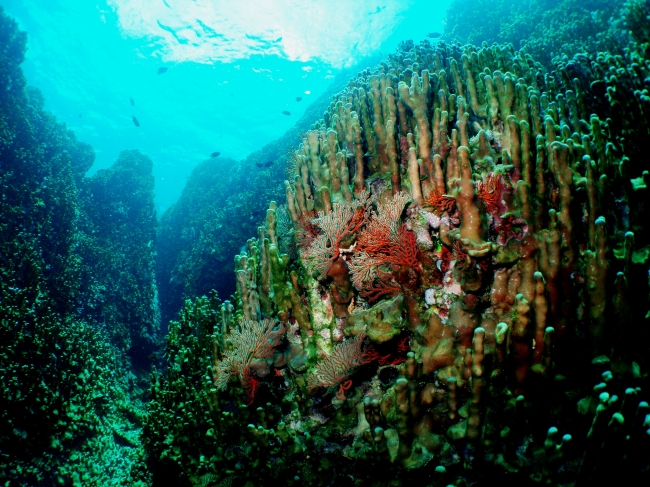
(286, 112)
(259, 164)
(433, 35)
(268, 163)
(132, 102)
(135, 121)
(79, 114)
(299, 98)
(215, 154)
(162, 70)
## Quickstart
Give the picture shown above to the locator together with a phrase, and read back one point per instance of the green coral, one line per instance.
(72, 409)
(527, 202)
(544, 29)
(115, 203)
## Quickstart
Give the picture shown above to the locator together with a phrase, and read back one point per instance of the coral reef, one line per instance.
(118, 272)
(636, 14)
(71, 407)
(468, 297)
(221, 206)
(455, 293)
(545, 29)
(195, 242)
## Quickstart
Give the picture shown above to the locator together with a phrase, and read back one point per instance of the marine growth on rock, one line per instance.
(468, 297)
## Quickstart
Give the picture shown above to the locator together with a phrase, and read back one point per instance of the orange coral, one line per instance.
(385, 243)
(441, 203)
(344, 221)
(377, 250)
(490, 192)
(458, 252)
(306, 230)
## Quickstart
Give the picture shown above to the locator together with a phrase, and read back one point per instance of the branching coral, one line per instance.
(543, 29)
(342, 223)
(484, 317)
(249, 341)
(337, 367)
(507, 150)
(76, 290)
(384, 247)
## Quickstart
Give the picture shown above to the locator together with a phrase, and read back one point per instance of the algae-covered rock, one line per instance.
(381, 323)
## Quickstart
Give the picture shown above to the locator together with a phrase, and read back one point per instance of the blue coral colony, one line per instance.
(444, 280)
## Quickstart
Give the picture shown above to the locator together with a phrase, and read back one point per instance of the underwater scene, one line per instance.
(324, 243)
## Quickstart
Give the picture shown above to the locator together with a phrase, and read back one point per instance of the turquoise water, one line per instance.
(233, 68)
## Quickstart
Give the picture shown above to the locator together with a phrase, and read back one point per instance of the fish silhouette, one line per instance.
(162, 70)
(299, 98)
(135, 121)
(132, 102)
(286, 112)
(215, 154)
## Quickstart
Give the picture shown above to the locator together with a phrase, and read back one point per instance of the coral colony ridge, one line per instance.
(450, 300)
(454, 292)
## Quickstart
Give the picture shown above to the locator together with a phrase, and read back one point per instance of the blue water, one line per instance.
(233, 68)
